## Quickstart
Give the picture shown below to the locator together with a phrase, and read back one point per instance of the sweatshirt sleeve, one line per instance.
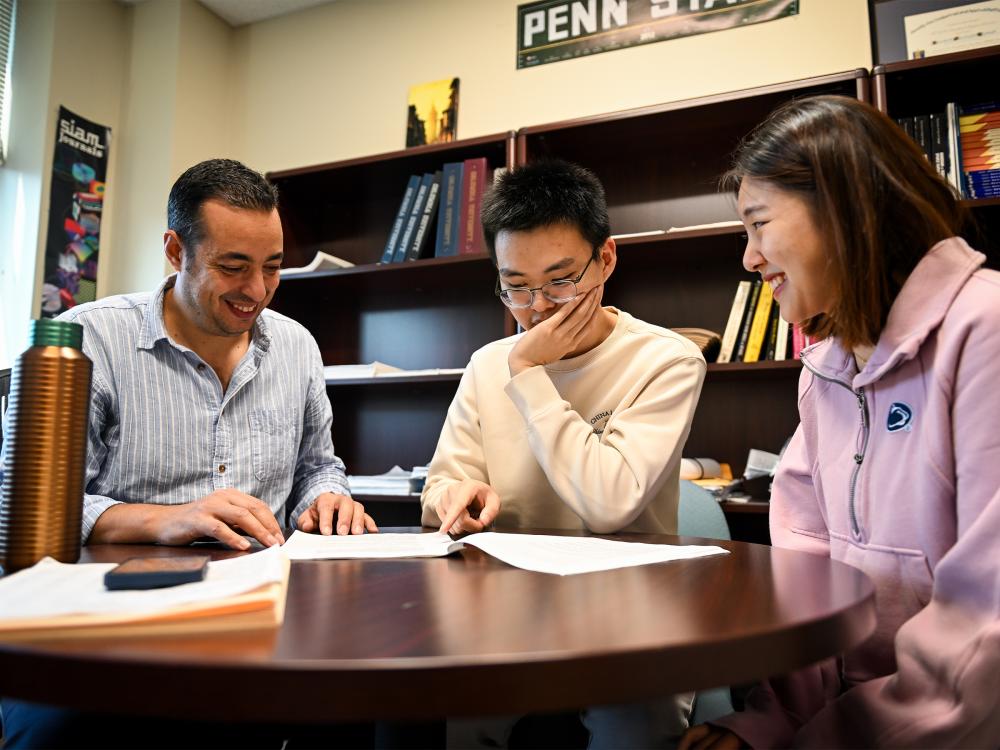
(459, 453)
(608, 479)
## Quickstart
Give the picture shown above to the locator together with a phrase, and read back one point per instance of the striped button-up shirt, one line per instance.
(162, 430)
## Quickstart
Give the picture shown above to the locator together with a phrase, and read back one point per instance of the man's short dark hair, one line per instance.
(224, 180)
(544, 193)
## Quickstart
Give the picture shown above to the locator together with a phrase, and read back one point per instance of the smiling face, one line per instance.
(785, 247)
(529, 259)
(230, 277)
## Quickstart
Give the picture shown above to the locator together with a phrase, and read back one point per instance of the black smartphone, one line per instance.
(156, 572)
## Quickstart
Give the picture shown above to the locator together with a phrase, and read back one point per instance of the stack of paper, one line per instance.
(321, 262)
(55, 600)
(560, 555)
(396, 481)
(370, 370)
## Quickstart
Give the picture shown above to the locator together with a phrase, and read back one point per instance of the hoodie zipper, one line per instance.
(859, 457)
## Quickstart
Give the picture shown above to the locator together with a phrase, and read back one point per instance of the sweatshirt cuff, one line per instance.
(532, 392)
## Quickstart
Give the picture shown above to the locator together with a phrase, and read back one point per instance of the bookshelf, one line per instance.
(916, 87)
(660, 167)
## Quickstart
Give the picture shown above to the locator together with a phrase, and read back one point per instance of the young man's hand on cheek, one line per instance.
(559, 335)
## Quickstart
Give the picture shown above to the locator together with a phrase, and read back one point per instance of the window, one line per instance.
(6, 48)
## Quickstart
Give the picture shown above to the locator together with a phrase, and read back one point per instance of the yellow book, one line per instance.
(759, 326)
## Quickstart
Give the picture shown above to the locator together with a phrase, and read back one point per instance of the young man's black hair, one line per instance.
(543, 193)
(224, 180)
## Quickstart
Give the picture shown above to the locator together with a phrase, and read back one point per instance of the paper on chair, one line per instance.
(559, 555)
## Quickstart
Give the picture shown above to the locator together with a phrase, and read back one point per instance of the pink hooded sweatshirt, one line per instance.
(896, 471)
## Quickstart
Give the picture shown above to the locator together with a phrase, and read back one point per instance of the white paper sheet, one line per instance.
(568, 555)
(559, 555)
(50, 588)
(302, 546)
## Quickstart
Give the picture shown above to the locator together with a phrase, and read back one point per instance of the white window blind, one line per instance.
(6, 48)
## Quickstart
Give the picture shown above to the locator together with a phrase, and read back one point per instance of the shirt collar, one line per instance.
(155, 330)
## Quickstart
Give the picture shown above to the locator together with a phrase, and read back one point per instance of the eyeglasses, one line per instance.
(560, 291)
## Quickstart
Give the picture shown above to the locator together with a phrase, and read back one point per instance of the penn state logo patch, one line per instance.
(900, 417)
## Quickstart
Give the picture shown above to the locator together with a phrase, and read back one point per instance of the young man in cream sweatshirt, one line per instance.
(579, 421)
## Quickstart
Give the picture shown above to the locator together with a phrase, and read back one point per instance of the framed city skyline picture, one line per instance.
(432, 113)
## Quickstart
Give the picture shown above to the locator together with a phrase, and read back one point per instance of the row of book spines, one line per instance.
(965, 148)
(755, 331)
(451, 198)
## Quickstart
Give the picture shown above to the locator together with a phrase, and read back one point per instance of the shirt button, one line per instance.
(222, 468)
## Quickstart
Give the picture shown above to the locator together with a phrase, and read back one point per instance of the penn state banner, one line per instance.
(553, 30)
(76, 203)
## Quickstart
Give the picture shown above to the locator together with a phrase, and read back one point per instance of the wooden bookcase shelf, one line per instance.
(919, 87)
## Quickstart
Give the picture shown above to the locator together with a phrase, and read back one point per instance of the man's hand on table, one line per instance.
(468, 506)
(217, 516)
(351, 516)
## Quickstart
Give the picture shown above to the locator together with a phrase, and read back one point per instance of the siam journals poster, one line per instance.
(76, 204)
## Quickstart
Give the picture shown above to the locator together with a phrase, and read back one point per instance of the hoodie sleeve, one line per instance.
(944, 690)
(777, 708)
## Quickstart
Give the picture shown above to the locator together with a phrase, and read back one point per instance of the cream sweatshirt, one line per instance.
(591, 442)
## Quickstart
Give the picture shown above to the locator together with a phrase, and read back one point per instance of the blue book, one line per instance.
(426, 221)
(413, 219)
(401, 215)
(448, 211)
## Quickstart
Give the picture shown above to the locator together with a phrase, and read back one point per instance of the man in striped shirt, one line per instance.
(209, 411)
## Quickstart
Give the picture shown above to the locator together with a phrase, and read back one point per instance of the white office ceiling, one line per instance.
(242, 12)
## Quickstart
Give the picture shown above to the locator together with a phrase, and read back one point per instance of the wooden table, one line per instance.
(458, 636)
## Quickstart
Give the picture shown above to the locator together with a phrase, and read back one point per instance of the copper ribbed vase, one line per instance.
(46, 448)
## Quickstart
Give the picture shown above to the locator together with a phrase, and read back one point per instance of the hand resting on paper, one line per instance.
(351, 516)
(468, 506)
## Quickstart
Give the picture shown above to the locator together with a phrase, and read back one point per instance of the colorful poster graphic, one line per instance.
(76, 205)
(552, 30)
(432, 114)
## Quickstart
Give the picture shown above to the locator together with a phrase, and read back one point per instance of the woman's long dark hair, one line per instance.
(878, 202)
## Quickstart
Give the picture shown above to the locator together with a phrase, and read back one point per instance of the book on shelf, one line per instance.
(320, 262)
(401, 216)
(771, 337)
(734, 324)
(446, 243)
(427, 216)
(470, 230)
(54, 600)
(410, 227)
(783, 345)
(939, 143)
(758, 328)
(741, 342)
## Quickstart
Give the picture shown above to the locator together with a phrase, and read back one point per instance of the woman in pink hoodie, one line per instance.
(895, 466)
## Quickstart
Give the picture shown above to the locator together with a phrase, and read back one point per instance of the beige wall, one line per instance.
(177, 85)
(47, 72)
(331, 82)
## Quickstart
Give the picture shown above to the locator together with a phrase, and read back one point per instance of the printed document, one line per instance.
(559, 555)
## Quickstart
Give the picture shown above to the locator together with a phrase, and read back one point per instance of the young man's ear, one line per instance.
(609, 256)
(173, 249)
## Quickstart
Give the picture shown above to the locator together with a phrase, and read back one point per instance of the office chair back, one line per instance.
(699, 514)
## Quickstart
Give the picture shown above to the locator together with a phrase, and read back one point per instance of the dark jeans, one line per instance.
(35, 725)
